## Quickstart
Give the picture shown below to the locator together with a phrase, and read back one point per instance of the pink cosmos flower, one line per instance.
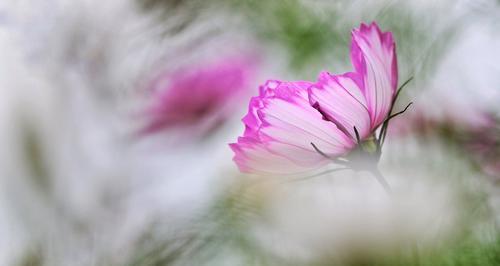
(199, 98)
(288, 117)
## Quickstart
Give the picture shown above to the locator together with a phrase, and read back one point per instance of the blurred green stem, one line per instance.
(380, 178)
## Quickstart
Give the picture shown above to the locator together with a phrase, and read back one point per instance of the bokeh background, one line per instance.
(115, 118)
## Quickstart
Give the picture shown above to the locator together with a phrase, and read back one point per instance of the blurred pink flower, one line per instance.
(483, 146)
(476, 133)
(200, 97)
(287, 117)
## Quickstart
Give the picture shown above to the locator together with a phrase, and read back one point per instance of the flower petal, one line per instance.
(373, 55)
(289, 118)
(200, 97)
(340, 99)
(280, 126)
(253, 156)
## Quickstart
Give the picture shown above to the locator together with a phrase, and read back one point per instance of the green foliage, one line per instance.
(34, 155)
(33, 257)
(306, 35)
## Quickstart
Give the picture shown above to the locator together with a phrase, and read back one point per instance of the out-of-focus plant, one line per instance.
(177, 15)
(231, 232)
(306, 35)
(220, 234)
(198, 99)
(313, 33)
(477, 136)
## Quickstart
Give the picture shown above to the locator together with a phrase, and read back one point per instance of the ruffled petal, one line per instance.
(289, 118)
(252, 156)
(340, 99)
(280, 126)
(373, 55)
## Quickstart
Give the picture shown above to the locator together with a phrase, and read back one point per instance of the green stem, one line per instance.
(380, 178)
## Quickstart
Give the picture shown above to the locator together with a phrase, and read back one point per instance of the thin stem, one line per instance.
(320, 174)
(400, 112)
(402, 86)
(380, 178)
(320, 151)
(326, 155)
(385, 124)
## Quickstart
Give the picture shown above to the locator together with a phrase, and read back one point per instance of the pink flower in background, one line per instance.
(200, 98)
(476, 133)
(482, 145)
(287, 117)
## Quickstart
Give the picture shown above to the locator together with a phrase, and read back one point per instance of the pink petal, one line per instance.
(194, 96)
(340, 99)
(289, 118)
(373, 55)
(253, 156)
(280, 126)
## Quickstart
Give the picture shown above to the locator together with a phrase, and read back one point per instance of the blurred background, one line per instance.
(115, 118)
